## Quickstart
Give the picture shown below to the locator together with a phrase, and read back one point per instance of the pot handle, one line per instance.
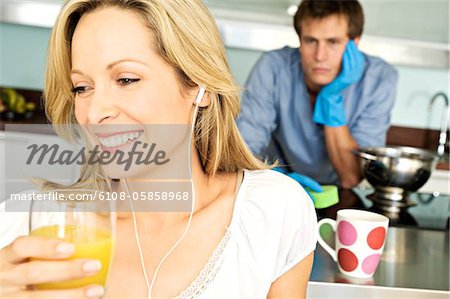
(364, 155)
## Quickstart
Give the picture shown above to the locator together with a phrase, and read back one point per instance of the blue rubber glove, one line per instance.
(329, 109)
(304, 181)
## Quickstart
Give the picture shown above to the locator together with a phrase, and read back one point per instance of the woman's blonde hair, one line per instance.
(187, 38)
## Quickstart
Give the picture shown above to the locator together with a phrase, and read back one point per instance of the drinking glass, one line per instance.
(79, 217)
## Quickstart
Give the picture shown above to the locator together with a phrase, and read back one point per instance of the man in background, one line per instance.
(309, 107)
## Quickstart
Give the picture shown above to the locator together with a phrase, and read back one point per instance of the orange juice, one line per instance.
(90, 242)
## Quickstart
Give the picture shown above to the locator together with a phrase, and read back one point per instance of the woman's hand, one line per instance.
(18, 273)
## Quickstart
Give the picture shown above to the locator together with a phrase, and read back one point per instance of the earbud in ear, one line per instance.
(200, 94)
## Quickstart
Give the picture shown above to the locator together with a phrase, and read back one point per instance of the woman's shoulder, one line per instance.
(273, 187)
(273, 199)
(274, 222)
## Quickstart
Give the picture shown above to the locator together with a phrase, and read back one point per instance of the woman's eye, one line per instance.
(79, 90)
(127, 81)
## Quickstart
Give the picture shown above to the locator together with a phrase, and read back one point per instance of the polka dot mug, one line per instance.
(360, 238)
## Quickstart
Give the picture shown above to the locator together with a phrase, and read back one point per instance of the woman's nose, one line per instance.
(102, 108)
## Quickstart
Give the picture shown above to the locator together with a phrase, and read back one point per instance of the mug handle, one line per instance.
(324, 244)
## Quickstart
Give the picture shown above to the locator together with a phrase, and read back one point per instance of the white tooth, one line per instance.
(110, 142)
(124, 139)
(106, 142)
(117, 140)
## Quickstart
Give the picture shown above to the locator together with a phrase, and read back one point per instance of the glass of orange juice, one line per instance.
(79, 217)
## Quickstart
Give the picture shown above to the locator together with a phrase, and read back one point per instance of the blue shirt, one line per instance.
(276, 112)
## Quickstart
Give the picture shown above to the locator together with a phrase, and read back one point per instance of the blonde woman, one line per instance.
(143, 62)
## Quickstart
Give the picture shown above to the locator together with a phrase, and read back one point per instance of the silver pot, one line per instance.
(396, 169)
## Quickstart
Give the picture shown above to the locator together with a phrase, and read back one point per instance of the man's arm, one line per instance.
(371, 127)
(340, 143)
(258, 116)
(370, 130)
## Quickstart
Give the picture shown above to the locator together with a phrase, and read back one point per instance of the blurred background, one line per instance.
(413, 35)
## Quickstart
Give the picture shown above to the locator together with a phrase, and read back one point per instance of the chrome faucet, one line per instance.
(444, 121)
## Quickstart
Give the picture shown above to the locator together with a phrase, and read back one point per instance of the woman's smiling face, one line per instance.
(121, 85)
(117, 76)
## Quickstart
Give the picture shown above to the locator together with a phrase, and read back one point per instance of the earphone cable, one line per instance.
(150, 285)
(136, 235)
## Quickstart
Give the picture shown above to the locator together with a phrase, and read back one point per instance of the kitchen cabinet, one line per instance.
(419, 20)
(413, 33)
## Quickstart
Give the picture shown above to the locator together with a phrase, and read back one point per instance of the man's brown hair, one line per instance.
(319, 9)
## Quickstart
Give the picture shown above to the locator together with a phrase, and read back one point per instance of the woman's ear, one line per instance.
(206, 100)
(202, 98)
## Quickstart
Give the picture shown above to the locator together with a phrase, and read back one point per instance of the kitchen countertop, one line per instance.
(321, 290)
(412, 258)
(36, 125)
(415, 261)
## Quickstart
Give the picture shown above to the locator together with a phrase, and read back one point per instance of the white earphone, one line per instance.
(198, 99)
(200, 94)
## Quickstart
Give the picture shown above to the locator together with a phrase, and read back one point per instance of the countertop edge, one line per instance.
(318, 289)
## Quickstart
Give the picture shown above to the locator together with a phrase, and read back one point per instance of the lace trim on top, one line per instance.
(208, 272)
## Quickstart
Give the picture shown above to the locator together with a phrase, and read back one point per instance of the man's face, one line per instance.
(323, 43)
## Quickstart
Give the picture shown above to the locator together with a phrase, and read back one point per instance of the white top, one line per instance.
(273, 227)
